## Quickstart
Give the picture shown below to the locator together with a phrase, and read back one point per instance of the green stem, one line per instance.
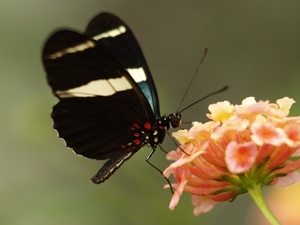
(256, 194)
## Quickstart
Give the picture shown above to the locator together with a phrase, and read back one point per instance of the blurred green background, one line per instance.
(253, 47)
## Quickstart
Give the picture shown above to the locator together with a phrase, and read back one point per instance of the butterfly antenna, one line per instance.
(205, 97)
(196, 71)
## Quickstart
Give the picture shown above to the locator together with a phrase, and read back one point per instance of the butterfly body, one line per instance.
(108, 106)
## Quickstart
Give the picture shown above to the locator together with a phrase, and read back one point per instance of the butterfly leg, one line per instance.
(147, 160)
(161, 148)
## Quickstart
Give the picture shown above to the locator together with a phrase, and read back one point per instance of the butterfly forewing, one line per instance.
(90, 119)
(112, 32)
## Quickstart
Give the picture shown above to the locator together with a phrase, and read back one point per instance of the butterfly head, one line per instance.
(174, 120)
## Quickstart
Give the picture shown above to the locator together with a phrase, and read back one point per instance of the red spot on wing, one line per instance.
(147, 126)
(136, 125)
(137, 141)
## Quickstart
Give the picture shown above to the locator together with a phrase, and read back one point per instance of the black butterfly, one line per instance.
(108, 106)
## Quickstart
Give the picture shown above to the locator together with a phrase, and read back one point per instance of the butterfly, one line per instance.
(108, 105)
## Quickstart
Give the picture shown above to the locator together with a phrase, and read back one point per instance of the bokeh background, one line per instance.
(253, 47)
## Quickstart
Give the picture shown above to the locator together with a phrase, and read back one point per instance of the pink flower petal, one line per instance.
(292, 132)
(202, 204)
(266, 132)
(250, 106)
(288, 180)
(173, 155)
(235, 124)
(177, 194)
(240, 157)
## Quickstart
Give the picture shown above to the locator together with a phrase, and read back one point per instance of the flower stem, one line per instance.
(256, 194)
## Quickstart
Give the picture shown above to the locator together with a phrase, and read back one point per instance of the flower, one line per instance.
(251, 143)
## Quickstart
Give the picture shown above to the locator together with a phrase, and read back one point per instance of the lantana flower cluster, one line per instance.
(254, 141)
